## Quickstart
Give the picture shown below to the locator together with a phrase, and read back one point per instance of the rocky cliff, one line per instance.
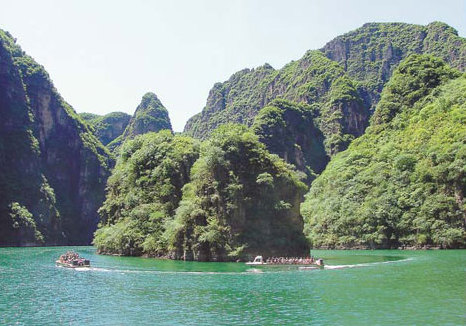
(60, 184)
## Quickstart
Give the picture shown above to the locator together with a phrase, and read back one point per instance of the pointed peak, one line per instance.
(150, 116)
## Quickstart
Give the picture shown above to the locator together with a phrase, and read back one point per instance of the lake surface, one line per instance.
(357, 288)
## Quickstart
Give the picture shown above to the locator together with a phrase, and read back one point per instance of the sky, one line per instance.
(103, 56)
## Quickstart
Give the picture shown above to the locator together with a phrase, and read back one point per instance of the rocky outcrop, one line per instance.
(241, 201)
(72, 164)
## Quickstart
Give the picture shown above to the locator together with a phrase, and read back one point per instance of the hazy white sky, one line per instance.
(104, 55)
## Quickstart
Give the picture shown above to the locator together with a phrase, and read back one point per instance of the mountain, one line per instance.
(108, 127)
(53, 170)
(403, 182)
(341, 83)
(238, 191)
(313, 80)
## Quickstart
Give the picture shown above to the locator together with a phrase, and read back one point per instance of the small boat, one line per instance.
(310, 262)
(72, 260)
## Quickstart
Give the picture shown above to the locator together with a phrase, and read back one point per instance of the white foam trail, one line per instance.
(133, 271)
(365, 264)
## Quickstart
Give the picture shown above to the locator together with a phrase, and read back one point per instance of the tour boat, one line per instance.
(72, 260)
(259, 260)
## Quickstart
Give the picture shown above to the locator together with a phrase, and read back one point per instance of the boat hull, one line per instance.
(66, 265)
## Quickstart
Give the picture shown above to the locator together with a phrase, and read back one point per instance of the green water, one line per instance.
(358, 288)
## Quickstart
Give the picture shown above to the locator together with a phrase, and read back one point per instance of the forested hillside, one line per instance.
(403, 182)
(372, 126)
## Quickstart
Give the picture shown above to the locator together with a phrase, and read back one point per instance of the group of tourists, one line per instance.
(291, 260)
(68, 257)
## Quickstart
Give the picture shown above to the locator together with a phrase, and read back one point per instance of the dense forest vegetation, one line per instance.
(364, 58)
(403, 182)
(144, 191)
(219, 200)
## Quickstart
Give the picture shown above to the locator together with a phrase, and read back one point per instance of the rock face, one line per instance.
(150, 116)
(108, 127)
(55, 169)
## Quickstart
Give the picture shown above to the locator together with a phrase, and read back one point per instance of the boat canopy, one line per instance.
(258, 259)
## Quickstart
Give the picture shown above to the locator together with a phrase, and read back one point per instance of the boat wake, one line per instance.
(366, 264)
(248, 271)
(137, 271)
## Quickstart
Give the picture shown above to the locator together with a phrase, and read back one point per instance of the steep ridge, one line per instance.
(72, 163)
